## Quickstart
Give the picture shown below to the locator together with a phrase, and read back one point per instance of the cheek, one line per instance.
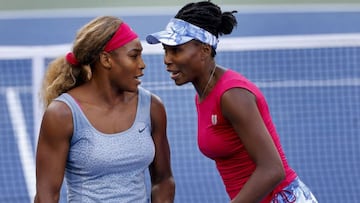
(189, 58)
(193, 59)
(127, 66)
(194, 54)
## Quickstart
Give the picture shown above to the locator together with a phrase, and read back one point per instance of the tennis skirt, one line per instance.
(295, 192)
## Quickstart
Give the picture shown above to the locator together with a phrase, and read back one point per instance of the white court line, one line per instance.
(270, 84)
(170, 85)
(271, 43)
(226, 44)
(22, 140)
(311, 83)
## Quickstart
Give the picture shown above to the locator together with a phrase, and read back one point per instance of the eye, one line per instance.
(172, 50)
(175, 49)
(135, 54)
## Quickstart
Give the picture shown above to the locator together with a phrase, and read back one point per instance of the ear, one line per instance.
(205, 50)
(105, 59)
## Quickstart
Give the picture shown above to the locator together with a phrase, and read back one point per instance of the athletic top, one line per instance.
(219, 141)
(109, 167)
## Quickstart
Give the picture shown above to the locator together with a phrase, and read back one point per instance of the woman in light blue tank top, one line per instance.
(101, 131)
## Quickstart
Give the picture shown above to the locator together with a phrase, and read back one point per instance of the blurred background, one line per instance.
(304, 56)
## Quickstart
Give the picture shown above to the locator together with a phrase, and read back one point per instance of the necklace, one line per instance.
(208, 82)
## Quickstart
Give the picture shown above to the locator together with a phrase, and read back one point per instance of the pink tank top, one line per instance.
(219, 141)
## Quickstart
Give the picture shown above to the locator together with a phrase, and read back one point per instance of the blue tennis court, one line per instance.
(313, 94)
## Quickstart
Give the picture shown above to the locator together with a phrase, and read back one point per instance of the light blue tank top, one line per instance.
(109, 167)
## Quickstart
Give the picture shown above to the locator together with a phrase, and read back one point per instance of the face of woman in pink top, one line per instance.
(189, 62)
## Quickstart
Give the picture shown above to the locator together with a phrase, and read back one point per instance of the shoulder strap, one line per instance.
(144, 105)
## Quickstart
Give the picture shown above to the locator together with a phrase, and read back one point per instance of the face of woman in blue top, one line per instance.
(125, 66)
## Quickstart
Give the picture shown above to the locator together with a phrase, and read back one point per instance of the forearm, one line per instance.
(44, 197)
(164, 191)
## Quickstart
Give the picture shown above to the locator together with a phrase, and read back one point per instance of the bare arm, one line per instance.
(52, 150)
(162, 181)
(239, 107)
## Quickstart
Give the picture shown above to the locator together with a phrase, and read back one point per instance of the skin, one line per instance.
(109, 101)
(192, 62)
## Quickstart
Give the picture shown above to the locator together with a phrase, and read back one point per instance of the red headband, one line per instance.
(122, 36)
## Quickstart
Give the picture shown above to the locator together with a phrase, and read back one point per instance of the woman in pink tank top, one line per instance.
(234, 124)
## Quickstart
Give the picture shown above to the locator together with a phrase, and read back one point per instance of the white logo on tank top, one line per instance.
(214, 119)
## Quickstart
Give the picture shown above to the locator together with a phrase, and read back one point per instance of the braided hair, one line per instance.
(208, 16)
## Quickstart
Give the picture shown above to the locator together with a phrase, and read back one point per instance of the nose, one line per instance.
(167, 59)
(142, 63)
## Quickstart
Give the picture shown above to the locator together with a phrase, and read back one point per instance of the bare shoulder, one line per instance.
(238, 103)
(156, 102)
(238, 97)
(158, 114)
(58, 110)
(57, 120)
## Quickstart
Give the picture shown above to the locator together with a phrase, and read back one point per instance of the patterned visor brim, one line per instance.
(178, 32)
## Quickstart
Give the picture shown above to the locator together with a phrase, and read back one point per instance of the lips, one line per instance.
(137, 78)
(174, 75)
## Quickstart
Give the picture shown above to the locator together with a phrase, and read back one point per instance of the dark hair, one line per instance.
(208, 16)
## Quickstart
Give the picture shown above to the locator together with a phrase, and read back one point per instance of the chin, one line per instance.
(179, 83)
(134, 89)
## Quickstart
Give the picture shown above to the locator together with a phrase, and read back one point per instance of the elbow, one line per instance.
(164, 181)
(163, 191)
(273, 173)
(168, 184)
(278, 174)
(38, 199)
(171, 186)
(47, 197)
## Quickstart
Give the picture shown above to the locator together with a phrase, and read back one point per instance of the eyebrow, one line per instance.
(136, 49)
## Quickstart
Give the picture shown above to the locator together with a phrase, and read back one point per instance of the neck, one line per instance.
(210, 79)
(106, 94)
